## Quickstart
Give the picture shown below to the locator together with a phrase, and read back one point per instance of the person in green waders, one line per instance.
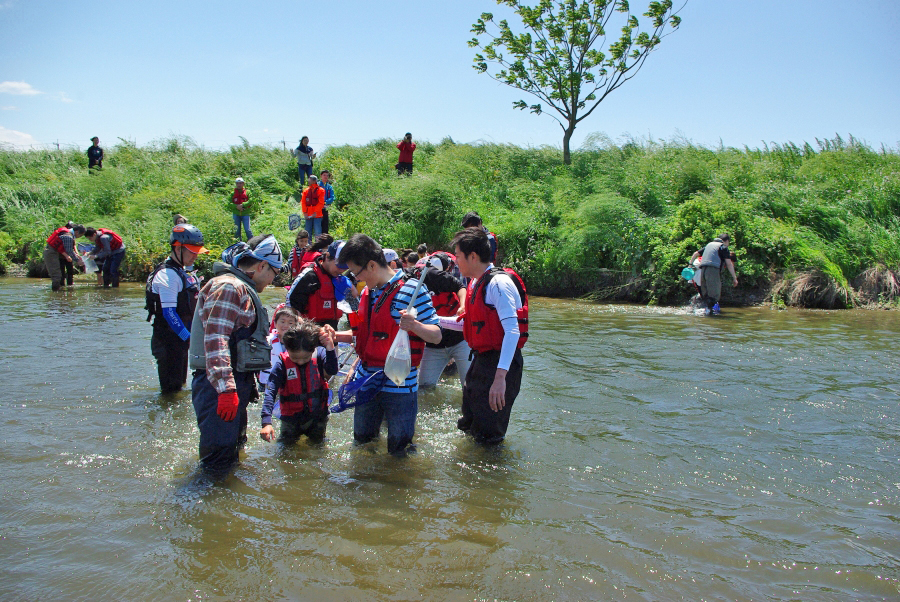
(713, 258)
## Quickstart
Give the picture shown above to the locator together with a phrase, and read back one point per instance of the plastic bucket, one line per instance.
(687, 273)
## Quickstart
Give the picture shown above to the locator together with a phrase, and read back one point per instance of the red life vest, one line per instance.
(304, 388)
(115, 241)
(300, 260)
(375, 333)
(482, 329)
(445, 304)
(55, 243)
(322, 305)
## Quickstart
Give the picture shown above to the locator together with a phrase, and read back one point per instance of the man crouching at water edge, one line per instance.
(228, 347)
(382, 313)
(491, 328)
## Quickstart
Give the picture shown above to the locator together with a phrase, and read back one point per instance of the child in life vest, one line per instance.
(285, 319)
(299, 379)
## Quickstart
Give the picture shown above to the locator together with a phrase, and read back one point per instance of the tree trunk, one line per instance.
(567, 135)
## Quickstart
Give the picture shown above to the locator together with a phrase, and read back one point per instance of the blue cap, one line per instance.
(334, 251)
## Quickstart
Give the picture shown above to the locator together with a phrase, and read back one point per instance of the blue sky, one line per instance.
(349, 71)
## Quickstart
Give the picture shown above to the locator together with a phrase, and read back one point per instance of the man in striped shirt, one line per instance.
(383, 312)
(229, 312)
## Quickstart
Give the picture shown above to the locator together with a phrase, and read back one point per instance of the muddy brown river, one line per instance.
(652, 455)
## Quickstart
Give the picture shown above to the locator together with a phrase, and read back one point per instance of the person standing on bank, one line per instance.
(714, 257)
(325, 183)
(405, 162)
(60, 255)
(304, 155)
(108, 246)
(312, 202)
(495, 321)
(228, 347)
(171, 294)
(242, 206)
(95, 154)
(382, 313)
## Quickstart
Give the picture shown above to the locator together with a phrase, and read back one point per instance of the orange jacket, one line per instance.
(312, 201)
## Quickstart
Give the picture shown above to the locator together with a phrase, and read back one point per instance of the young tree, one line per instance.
(562, 60)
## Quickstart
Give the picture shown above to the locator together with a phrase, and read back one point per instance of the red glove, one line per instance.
(228, 405)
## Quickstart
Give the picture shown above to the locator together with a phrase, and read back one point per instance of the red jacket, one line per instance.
(406, 151)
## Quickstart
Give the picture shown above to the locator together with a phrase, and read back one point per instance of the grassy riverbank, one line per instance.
(812, 225)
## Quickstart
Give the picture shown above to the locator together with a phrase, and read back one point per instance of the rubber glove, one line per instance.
(228, 405)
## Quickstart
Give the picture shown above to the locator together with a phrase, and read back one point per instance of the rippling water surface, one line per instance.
(651, 455)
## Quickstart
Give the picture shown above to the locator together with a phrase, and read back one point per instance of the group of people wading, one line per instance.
(61, 255)
(466, 308)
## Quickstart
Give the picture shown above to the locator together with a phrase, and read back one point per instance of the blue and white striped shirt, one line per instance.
(424, 314)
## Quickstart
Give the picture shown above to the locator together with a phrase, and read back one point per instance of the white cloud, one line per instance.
(7, 4)
(64, 98)
(18, 88)
(9, 108)
(16, 139)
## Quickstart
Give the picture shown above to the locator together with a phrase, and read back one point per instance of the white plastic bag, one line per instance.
(89, 264)
(399, 357)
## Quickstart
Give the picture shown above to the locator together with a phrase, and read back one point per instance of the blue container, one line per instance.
(687, 273)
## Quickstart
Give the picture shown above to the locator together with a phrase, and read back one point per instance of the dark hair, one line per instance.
(322, 242)
(287, 310)
(89, 232)
(302, 337)
(361, 249)
(473, 240)
(324, 171)
(471, 219)
(301, 234)
(422, 249)
(412, 258)
(248, 261)
(177, 217)
(77, 228)
(724, 237)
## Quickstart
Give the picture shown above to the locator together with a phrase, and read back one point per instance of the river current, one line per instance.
(652, 455)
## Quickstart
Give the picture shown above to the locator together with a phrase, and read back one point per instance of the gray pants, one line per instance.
(51, 260)
(711, 284)
(435, 360)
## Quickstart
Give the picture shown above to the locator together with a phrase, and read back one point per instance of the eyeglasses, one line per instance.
(356, 275)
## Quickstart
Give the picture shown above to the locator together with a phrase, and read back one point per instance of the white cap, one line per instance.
(390, 255)
(241, 180)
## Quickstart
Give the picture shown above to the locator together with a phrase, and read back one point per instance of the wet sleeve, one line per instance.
(276, 381)
(328, 360)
